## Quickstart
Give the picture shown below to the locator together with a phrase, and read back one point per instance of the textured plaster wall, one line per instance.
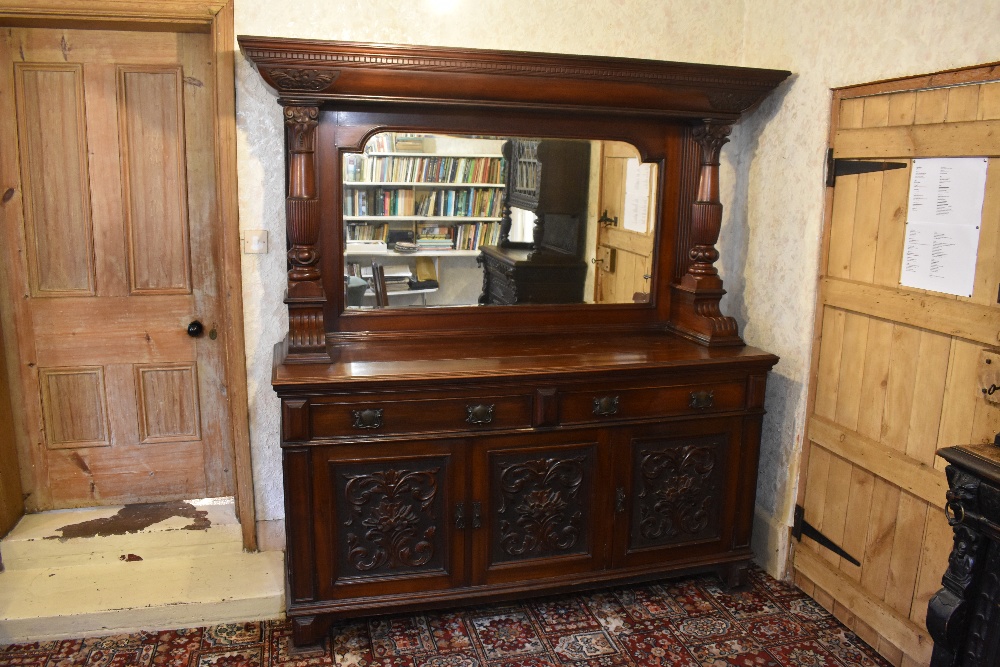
(779, 210)
(772, 171)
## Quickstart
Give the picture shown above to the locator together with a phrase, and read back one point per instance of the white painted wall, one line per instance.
(772, 171)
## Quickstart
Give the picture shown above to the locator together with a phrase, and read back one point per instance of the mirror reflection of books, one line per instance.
(431, 236)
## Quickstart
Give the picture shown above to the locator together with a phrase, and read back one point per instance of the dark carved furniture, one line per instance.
(964, 616)
(549, 178)
(520, 275)
(441, 456)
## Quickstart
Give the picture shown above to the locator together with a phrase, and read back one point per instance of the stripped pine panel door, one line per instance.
(624, 256)
(895, 369)
(115, 253)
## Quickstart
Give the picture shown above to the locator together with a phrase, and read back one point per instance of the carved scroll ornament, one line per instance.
(396, 517)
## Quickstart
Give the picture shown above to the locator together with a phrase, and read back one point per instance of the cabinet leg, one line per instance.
(308, 634)
(735, 576)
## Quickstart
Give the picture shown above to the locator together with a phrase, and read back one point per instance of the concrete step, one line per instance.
(102, 535)
(115, 597)
(113, 570)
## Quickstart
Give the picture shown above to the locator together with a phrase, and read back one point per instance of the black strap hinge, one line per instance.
(841, 167)
(801, 527)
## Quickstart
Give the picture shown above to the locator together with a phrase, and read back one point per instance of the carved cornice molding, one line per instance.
(297, 66)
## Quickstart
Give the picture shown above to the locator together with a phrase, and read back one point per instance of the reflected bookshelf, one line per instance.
(441, 194)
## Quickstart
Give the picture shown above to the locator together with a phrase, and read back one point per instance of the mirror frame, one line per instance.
(335, 95)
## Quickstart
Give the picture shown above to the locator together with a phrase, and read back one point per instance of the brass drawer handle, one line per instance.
(460, 516)
(479, 415)
(477, 514)
(605, 406)
(367, 418)
(701, 399)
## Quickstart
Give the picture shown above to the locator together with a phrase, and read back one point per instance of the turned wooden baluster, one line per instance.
(305, 296)
(695, 305)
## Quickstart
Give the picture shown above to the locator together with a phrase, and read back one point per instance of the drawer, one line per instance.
(610, 403)
(410, 413)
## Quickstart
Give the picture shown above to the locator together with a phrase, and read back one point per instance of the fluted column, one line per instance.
(305, 297)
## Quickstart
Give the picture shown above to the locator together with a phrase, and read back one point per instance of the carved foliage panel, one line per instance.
(677, 490)
(390, 517)
(541, 504)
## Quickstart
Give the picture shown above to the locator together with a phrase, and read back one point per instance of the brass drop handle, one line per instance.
(460, 516)
(620, 501)
(195, 329)
(477, 516)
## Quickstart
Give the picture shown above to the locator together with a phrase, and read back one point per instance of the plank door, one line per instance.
(110, 252)
(624, 256)
(895, 369)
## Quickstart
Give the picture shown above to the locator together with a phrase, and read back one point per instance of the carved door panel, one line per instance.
(389, 521)
(111, 241)
(539, 506)
(675, 489)
(624, 249)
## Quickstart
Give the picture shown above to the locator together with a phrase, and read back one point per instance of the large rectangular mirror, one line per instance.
(446, 220)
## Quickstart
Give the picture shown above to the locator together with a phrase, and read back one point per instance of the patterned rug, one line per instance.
(689, 622)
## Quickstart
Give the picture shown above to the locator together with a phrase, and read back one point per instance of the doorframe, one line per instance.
(215, 17)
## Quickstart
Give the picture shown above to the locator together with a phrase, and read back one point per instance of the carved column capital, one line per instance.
(711, 136)
(302, 122)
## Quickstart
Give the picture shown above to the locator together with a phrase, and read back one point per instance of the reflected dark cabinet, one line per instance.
(550, 178)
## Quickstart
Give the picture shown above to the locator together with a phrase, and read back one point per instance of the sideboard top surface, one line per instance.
(450, 357)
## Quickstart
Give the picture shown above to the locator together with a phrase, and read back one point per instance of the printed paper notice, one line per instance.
(942, 224)
(636, 196)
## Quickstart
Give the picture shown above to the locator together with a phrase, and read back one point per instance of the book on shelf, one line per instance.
(362, 232)
(434, 236)
(474, 235)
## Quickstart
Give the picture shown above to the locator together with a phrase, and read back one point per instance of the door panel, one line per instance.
(542, 513)
(895, 369)
(389, 521)
(121, 244)
(624, 255)
(57, 221)
(680, 480)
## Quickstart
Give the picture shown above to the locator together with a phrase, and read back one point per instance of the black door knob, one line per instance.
(195, 329)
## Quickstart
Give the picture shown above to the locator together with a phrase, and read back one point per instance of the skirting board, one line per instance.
(770, 544)
(271, 535)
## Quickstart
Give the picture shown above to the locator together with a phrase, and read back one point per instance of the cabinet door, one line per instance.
(676, 490)
(539, 505)
(385, 518)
